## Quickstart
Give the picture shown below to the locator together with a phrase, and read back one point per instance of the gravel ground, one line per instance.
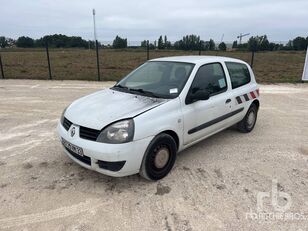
(214, 185)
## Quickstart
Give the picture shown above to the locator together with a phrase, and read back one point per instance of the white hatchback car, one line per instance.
(164, 106)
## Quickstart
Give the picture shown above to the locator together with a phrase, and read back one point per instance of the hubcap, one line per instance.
(251, 119)
(161, 158)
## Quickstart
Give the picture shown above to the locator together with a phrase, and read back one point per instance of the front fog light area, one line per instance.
(119, 132)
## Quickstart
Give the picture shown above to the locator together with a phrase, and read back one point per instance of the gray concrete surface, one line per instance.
(213, 186)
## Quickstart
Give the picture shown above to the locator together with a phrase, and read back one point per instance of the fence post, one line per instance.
(252, 58)
(148, 50)
(97, 62)
(1, 67)
(48, 60)
(200, 48)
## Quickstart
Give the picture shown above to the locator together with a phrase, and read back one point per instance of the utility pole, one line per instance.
(96, 46)
(94, 24)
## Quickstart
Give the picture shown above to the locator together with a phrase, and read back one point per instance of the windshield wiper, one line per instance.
(148, 93)
(120, 86)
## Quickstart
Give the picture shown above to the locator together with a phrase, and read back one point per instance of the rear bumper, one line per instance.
(110, 159)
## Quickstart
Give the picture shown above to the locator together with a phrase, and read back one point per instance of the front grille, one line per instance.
(84, 159)
(88, 133)
(66, 124)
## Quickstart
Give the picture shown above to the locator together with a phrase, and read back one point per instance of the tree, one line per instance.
(189, 42)
(258, 43)
(254, 43)
(167, 43)
(25, 42)
(119, 43)
(63, 41)
(10, 42)
(289, 45)
(144, 43)
(3, 42)
(211, 45)
(151, 46)
(272, 46)
(222, 46)
(299, 43)
(234, 45)
(160, 43)
(264, 43)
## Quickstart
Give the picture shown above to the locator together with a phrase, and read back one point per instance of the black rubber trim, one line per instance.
(239, 100)
(111, 166)
(214, 121)
(66, 124)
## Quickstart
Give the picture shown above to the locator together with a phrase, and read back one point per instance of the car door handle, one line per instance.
(228, 100)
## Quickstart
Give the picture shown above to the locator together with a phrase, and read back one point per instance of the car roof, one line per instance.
(197, 59)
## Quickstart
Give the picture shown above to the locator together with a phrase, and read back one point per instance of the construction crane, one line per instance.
(241, 36)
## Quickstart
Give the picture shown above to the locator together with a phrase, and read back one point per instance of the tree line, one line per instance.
(55, 41)
(188, 42)
(261, 43)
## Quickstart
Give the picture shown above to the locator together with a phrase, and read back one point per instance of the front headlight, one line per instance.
(117, 133)
(62, 115)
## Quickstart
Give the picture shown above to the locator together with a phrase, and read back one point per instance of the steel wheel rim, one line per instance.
(161, 158)
(251, 119)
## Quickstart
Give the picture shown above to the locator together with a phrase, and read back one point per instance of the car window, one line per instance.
(165, 79)
(239, 74)
(151, 74)
(210, 77)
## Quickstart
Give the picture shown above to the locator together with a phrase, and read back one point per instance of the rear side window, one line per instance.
(239, 74)
(210, 77)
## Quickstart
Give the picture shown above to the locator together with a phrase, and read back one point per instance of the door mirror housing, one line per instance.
(197, 96)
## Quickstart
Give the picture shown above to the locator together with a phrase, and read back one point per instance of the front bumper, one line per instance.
(96, 154)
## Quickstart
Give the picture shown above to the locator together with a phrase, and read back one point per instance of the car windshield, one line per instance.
(157, 79)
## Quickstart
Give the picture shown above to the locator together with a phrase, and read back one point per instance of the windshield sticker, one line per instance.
(222, 83)
(173, 91)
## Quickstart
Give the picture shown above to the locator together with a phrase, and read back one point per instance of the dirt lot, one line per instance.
(213, 186)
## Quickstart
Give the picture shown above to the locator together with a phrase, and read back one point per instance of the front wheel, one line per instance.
(159, 157)
(249, 121)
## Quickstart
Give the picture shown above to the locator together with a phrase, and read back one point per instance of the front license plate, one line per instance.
(75, 149)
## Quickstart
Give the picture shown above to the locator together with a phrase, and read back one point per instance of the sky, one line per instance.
(138, 20)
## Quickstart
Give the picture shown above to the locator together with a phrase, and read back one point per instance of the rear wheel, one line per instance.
(249, 121)
(159, 157)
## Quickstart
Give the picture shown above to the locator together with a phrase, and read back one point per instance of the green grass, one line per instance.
(80, 64)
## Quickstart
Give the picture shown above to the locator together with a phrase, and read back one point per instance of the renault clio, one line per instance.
(162, 107)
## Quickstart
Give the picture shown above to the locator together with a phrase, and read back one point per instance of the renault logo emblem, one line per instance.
(73, 132)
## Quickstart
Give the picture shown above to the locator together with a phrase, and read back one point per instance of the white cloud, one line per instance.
(138, 20)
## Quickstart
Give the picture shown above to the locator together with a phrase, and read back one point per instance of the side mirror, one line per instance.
(198, 95)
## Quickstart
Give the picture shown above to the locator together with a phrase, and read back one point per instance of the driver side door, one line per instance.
(205, 117)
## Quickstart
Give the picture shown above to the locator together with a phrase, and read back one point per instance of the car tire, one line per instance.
(249, 121)
(159, 157)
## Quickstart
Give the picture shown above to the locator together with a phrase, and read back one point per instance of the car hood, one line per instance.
(106, 106)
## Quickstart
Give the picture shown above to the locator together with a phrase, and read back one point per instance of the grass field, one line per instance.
(80, 64)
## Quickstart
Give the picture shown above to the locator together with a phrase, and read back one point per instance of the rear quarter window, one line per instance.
(239, 74)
